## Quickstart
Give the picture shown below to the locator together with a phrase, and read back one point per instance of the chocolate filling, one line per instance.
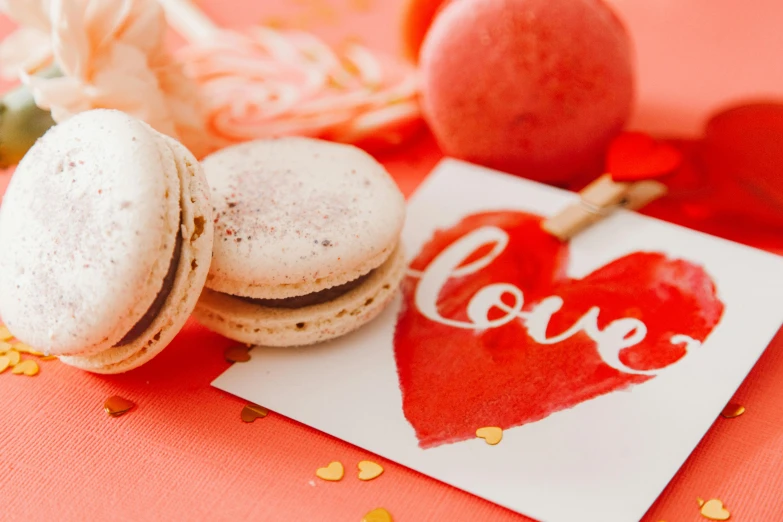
(316, 298)
(157, 305)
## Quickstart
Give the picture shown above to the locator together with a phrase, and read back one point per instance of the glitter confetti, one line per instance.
(369, 470)
(491, 435)
(21, 347)
(713, 510)
(5, 334)
(13, 356)
(27, 367)
(117, 406)
(333, 472)
(237, 354)
(252, 412)
(732, 410)
(377, 515)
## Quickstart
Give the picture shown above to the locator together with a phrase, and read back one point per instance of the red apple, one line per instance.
(533, 87)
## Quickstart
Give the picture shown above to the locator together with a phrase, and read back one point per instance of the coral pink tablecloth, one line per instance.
(184, 454)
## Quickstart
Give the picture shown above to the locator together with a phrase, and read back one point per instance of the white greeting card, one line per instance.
(604, 360)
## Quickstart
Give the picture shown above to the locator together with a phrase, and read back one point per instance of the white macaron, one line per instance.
(306, 241)
(107, 235)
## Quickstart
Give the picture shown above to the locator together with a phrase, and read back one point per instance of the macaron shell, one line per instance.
(197, 238)
(250, 323)
(298, 215)
(89, 224)
(536, 88)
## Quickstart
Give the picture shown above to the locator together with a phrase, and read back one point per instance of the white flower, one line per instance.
(111, 55)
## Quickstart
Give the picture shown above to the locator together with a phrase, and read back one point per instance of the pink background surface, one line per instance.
(185, 454)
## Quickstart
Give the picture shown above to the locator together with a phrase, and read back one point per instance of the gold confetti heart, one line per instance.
(117, 406)
(333, 472)
(369, 470)
(5, 362)
(377, 515)
(700, 501)
(713, 509)
(237, 354)
(732, 410)
(14, 357)
(5, 334)
(491, 435)
(28, 367)
(24, 348)
(252, 412)
(4, 347)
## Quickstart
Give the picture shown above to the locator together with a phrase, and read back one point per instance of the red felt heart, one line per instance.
(455, 380)
(634, 156)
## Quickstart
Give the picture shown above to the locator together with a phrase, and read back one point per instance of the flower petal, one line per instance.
(64, 96)
(28, 13)
(140, 23)
(69, 39)
(24, 50)
(272, 83)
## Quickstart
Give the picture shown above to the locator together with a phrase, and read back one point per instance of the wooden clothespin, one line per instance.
(634, 162)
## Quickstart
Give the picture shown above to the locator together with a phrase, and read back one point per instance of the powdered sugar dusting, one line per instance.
(291, 210)
(91, 233)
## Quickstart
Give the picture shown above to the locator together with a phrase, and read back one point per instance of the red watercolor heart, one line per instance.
(455, 380)
(634, 156)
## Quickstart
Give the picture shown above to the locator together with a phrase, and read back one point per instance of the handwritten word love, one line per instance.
(450, 263)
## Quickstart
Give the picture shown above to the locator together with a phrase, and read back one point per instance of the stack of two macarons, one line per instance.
(114, 234)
